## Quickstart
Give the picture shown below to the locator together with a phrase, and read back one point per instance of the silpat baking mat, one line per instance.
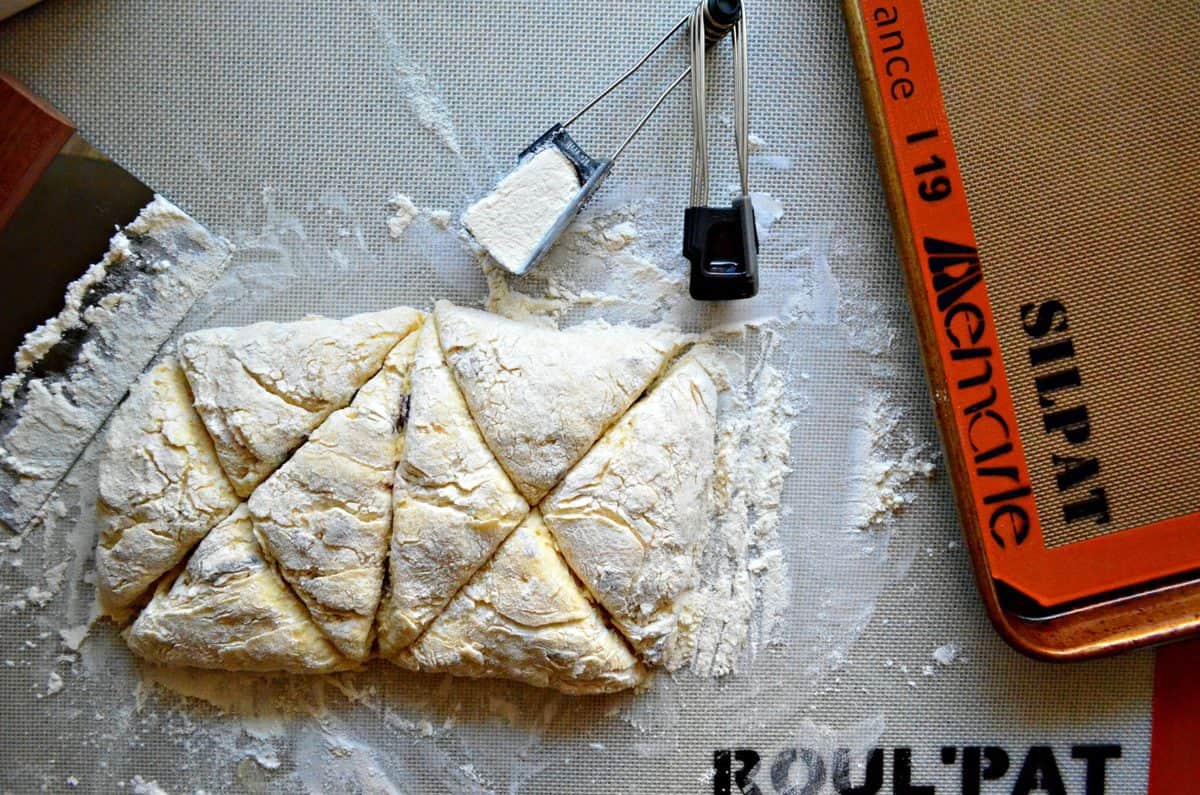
(288, 127)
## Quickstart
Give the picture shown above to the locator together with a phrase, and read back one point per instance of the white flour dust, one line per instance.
(606, 266)
(767, 210)
(338, 764)
(883, 479)
(946, 654)
(140, 786)
(744, 591)
(761, 156)
(405, 211)
(418, 92)
(257, 699)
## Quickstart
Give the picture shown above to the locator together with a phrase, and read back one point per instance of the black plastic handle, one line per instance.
(722, 245)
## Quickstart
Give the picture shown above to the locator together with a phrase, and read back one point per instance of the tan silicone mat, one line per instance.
(1077, 128)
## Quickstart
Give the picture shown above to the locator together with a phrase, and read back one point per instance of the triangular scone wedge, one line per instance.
(325, 516)
(523, 616)
(230, 609)
(542, 397)
(261, 389)
(453, 502)
(161, 487)
(630, 516)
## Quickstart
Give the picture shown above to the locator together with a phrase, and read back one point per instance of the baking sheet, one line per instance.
(286, 126)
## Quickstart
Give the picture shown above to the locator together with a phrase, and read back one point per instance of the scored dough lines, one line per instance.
(306, 423)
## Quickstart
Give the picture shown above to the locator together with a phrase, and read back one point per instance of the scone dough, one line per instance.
(313, 458)
(523, 616)
(542, 397)
(229, 609)
(261, 389)
(161, 487)
(629, 516)
(453, 502)
(324, 517)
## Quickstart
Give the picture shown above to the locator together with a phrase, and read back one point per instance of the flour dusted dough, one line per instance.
(629, 516)
(161, 487)
(408, 441)
(229, 609)
(324, 516)
(453, 502)
(261, 389)
(523, 616)
(542, 397)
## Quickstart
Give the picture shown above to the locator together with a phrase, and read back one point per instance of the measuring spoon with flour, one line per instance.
(520, 220)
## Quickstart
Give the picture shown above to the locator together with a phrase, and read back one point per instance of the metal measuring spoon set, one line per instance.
(720, 242)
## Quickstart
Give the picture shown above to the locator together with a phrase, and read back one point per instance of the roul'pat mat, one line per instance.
(1042, 169)
(130, 263)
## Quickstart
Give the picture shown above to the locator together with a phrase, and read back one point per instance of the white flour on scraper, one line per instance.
(73, 369)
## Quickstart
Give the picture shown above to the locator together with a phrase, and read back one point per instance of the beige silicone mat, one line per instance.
(1083, 177)
(286, 125)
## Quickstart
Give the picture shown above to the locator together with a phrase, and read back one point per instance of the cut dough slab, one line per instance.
(230, 609)
(453, 502)
(261, 389)
(628, 518)
(161, 487)
(324, 516)
(542, 397)
(523, 616)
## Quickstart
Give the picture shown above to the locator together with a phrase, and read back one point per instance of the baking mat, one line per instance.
(286, 127)
(1082, 146)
